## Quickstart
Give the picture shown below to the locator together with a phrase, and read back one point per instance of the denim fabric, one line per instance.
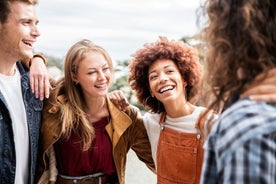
(33, 108)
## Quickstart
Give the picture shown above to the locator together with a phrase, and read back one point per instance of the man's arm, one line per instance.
(264, 90)
(39, 76)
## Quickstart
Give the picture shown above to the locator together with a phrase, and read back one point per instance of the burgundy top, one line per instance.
(72, 161)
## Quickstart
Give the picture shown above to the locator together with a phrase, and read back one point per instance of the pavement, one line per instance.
(137, 172)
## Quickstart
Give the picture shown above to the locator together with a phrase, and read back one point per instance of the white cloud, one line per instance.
(120, 26)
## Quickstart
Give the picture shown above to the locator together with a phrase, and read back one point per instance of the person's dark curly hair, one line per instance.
(241, 42)
(184, 56)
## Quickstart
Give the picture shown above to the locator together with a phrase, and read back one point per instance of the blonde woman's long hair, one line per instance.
(70, 97)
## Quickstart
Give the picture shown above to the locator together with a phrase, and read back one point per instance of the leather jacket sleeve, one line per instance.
(139, 139)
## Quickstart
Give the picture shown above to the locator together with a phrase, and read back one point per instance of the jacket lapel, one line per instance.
(119, 122)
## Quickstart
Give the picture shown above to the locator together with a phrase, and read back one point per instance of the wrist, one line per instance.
(39, 55)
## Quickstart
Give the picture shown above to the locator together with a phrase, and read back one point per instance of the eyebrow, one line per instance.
(166, 66)
(29, 19)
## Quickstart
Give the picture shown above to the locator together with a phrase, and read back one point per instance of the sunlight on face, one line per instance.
(165, 81)
(19, 33)
(94, 75)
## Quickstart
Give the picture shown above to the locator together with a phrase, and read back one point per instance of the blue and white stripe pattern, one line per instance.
(241, 147)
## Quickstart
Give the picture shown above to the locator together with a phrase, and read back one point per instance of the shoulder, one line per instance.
(241, 122)
(246, 114)
(151, 119)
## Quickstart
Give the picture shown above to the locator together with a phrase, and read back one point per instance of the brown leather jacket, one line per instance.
(126, 130)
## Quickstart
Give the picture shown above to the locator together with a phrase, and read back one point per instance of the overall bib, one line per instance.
(179, 155)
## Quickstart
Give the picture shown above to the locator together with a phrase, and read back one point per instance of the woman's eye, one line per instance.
(105, 69)
(91, 72)
(170, 71)
(153, 77)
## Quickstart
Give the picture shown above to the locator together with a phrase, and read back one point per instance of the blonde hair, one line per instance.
(70, 96)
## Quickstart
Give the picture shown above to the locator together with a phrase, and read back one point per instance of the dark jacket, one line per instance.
(33, 107)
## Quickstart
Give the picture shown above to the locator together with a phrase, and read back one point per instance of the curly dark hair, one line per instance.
(241, 42)
(184, 56)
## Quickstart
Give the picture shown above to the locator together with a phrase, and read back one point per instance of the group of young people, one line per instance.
(82, 134)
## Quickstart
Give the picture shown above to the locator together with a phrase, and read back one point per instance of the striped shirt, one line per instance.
(241, 147)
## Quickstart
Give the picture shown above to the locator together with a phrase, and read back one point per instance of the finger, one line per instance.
(123, 102)
(111, 96)
(269, 76)
(116, 96)
(32, 84)
(41, 88)
(119, 98)
(272, 72)
(266, 98)
(36, 87)
(47, 88)
(268, 80)
(124, 99)
(259, 90)
(119, 104)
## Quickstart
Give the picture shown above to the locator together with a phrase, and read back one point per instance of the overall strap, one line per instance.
(202, 119)
(162, 117)
(199, 122)
(162, 120)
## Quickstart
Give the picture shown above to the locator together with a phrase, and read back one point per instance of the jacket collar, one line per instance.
(119, 122)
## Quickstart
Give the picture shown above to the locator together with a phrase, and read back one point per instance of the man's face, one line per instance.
(19, 32)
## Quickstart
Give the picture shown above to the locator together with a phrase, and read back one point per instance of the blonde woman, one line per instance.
(84, 136)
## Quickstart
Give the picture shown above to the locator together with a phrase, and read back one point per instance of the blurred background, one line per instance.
(120, 26)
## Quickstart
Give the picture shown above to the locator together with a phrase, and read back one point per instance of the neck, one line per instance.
(7, 64)
(96, 108)
(182, 108)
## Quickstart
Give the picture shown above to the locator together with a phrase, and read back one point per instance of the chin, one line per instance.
(103, 94)
(27, 56)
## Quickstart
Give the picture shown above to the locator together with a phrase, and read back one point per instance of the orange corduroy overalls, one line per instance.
(179, 155)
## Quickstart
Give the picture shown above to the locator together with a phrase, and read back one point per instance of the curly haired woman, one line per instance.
(241, 40)
(166, 76)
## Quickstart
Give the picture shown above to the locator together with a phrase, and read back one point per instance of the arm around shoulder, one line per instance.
(139, 138)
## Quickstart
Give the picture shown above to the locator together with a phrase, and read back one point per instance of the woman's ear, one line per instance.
(151, 94)
(74, 79)
(184, 83)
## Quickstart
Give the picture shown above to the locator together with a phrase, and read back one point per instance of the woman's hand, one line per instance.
(119, 99)
(264, 90)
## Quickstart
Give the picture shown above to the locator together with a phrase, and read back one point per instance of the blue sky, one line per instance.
(120, 26)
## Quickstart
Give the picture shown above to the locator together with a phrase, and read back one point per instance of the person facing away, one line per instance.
(20, 110)
(84, 136)
(166, 77)
(241, 37)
